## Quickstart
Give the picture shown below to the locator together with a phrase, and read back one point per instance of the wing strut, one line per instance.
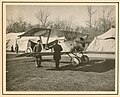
(48, 38)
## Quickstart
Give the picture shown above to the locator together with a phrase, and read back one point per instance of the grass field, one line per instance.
(22, 75)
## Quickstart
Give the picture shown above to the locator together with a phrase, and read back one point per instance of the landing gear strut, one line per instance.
(76, 60)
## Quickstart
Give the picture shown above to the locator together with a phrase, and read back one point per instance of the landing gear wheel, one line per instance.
(85, 59)
(75, 61)
(29, 50)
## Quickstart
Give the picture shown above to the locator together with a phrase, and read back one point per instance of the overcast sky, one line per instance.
(77, 13)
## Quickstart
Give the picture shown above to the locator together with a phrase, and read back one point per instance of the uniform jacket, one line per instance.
(37, 48)
(57, 52)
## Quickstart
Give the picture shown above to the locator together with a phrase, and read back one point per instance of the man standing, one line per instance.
(16, 48)
(37, 49)
(57, 53)
(12, 50)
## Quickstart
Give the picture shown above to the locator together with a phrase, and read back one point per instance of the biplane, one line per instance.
(64, 41)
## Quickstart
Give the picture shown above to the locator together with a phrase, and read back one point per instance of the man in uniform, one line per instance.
(16, 48)
(37, 49)
(57, 53)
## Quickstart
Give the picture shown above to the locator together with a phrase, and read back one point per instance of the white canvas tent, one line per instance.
(104, 42)
(12, 39)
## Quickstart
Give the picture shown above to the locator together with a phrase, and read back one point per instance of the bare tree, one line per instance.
(17, 25)
(106, 19)
(63, 24)
(91, 12)
(43, 16)
(90, 15)
(9, 25)
(69, 24)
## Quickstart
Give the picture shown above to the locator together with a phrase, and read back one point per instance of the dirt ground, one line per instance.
(22, 75)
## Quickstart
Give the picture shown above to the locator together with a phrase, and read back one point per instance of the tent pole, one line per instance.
(16, 42)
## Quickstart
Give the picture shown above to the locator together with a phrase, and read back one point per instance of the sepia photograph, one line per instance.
(60, 48)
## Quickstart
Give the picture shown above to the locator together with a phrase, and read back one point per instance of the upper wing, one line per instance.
(35, 32)
(62, 33)
(53, 32)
